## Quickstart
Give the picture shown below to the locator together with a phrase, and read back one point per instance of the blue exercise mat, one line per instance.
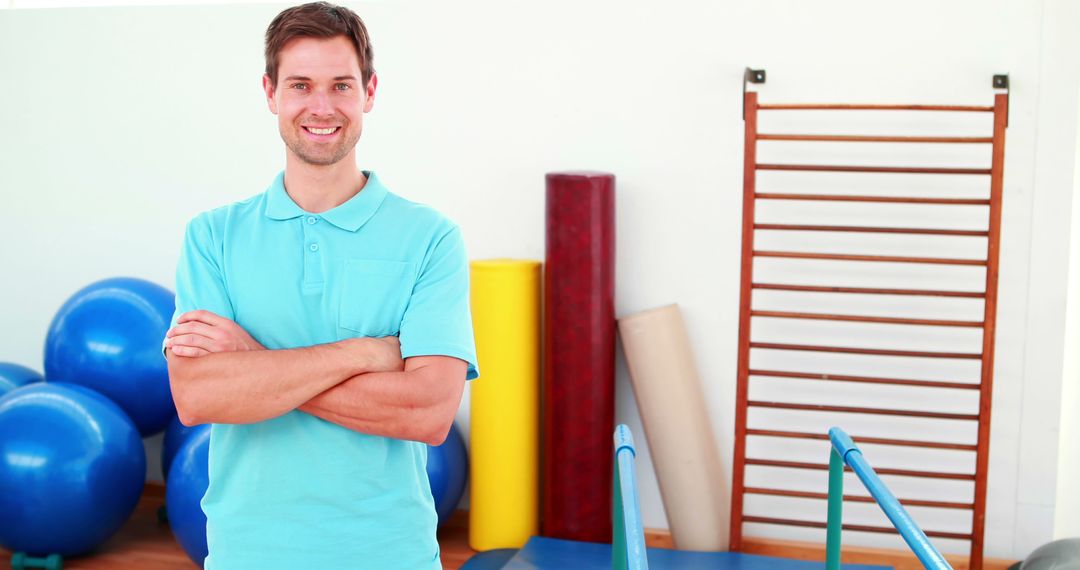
(551, 553)
(490, 560)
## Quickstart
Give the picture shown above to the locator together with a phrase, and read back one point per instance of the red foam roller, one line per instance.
(579, 356)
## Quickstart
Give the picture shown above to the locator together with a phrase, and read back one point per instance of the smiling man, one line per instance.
(322, 327)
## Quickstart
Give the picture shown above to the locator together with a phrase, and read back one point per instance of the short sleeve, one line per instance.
(200, 282)
(437, 320)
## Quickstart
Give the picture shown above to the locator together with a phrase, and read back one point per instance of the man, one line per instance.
(323, 328)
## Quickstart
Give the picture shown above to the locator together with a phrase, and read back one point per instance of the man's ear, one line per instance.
(370, 93)
(268, 88)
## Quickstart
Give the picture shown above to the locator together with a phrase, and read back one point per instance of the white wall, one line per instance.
(119, 124)
(1067, 508)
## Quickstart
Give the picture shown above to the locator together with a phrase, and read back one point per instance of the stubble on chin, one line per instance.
(317, 155)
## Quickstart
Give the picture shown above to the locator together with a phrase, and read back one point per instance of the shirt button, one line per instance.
(311, 220)
(314, 247)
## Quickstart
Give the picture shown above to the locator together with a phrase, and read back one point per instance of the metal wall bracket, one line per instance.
(751, 76)
(1002, 82)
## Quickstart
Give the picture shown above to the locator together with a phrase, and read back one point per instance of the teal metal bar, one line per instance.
(905, 525)
(836, 511)
(628, 534)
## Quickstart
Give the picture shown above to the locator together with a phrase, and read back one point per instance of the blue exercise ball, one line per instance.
(187, 482)
(14, 375)
(176, 434)
(108, 337)
(448, 469)
(72, 469)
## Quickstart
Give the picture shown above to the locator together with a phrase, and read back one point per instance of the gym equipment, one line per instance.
(490, 559)
(14, 375)
(628, 550)
(845, 453)
(1061, 554)
(187, 482)
(72, 469)
(20, 561)
(108, 337)
(175, 435)
(842, 269)
(579, 356)
(447, 469)
(504, 408)
(684, 451)
(551, 554)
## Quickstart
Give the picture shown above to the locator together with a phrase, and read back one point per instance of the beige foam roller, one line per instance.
(681, 441)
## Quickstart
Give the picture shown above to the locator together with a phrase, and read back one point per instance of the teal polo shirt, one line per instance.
(297, 491)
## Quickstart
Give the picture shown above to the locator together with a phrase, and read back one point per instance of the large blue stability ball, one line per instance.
(176, 434)
(72, 468)
(187, 481)
(14, 375)
(448, 469)
(108, 337)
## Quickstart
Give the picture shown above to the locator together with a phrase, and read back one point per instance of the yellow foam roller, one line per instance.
(504, 408)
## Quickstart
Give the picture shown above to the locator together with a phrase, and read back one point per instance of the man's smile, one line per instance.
(321, 132)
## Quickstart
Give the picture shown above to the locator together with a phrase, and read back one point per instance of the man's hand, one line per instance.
(385, 353)
(198, 333)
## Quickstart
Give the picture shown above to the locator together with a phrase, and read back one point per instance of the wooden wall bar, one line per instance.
(746, 375)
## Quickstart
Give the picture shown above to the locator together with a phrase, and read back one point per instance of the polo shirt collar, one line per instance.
(348, 216)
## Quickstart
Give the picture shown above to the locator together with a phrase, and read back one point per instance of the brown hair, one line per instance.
(318, 20)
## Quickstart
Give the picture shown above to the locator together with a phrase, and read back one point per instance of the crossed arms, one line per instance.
(220, 374)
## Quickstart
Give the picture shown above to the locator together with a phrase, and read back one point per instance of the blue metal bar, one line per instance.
(834, 523)
(912, 534)
(628, 540)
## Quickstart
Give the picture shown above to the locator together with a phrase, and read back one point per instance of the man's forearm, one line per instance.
(416, 404)
(251, 386)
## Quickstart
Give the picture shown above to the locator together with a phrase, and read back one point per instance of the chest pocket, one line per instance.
(374, 296)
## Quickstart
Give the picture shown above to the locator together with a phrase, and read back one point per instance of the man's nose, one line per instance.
(320, 104)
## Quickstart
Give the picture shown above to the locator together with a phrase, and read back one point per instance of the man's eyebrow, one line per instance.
(302, 78)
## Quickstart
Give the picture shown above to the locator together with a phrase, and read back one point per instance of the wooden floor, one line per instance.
(145, 544)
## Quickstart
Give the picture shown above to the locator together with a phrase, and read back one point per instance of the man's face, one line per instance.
(319, 98)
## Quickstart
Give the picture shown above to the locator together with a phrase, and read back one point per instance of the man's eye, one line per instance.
(299, 86)
(342, 86)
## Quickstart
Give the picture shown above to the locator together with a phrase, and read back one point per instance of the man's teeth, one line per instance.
(325, 131)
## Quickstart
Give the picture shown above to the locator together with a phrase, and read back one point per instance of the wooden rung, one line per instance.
(863, 319)
(865, 379)
(861, 107)
(880, 471)
(862, 410)
(875, 351)
(864, 439)
(865, 138)
(871, 230)
(888, 169)
(878, 258)
(856, 498)
(886, 199)
(853, 527)
(868, 290)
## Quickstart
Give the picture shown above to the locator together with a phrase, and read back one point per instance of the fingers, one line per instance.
(193, 334)
(223, 334)
(192, 341)
(188, 351)
(195, 327)
(205, 317)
